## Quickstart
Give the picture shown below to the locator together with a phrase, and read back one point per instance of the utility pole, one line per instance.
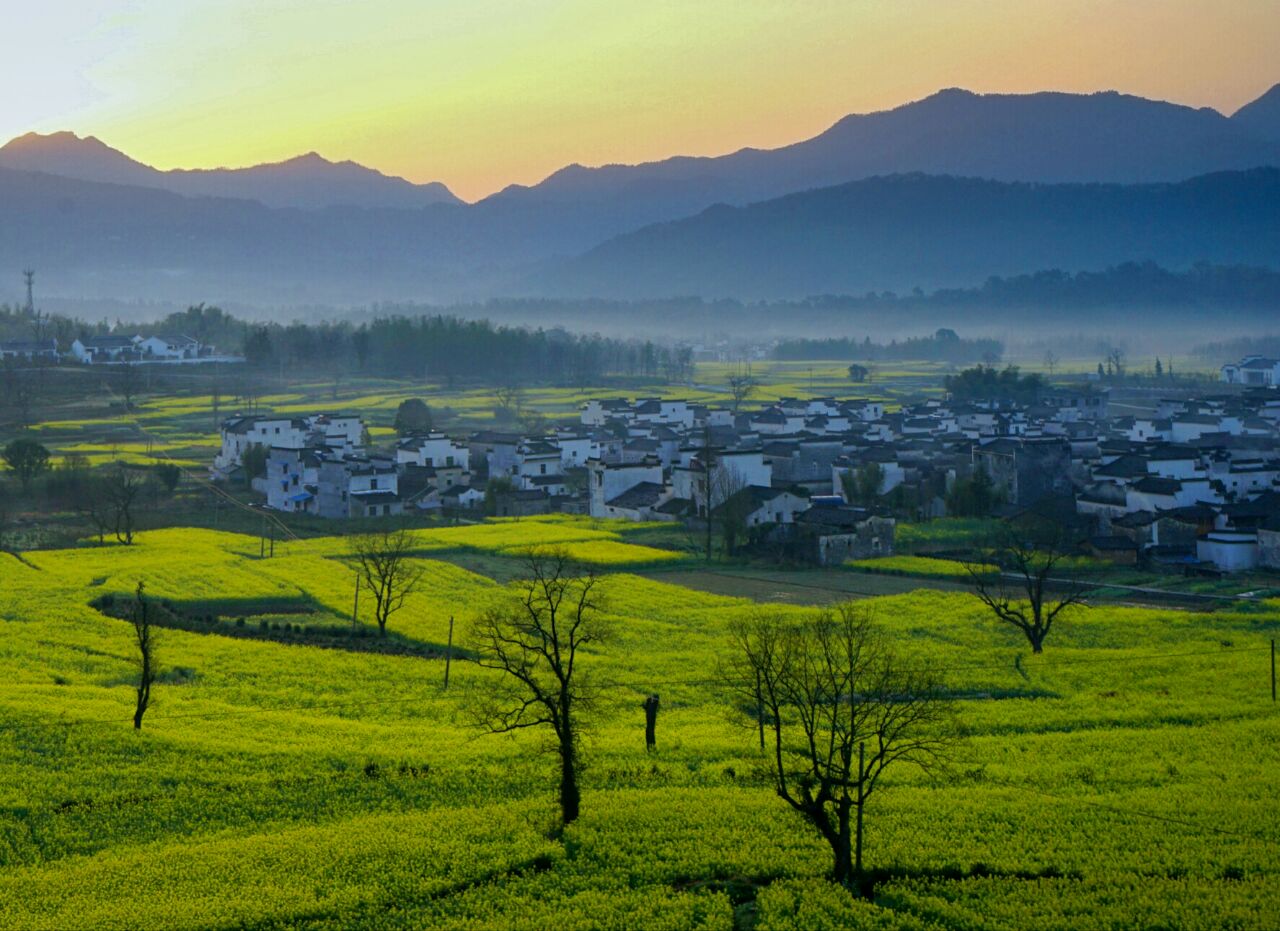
(709, 459)
(355, 607)
(1273, 668)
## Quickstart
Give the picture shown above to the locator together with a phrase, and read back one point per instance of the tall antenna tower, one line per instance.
(30, 275)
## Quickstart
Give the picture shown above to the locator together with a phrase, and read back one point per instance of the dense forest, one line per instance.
(437, 346)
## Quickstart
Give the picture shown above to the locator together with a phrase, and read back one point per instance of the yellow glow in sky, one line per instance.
(483, 93)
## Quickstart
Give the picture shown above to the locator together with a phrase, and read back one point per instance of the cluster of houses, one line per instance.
(97, 350)
(1194, 484)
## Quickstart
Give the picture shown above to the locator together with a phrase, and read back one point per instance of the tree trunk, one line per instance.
(570, 796)
(843, 873)
(144, 699)
(857, 862)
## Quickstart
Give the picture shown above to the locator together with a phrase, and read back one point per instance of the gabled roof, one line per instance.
(1155, 485)
(643, 495)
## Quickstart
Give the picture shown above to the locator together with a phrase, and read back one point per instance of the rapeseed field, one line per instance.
(1124, 778)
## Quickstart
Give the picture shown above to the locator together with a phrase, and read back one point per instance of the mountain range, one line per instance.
(876, 201)
(307, 181)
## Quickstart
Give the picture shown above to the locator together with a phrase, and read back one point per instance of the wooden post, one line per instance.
(273, 540)
(651, 722)
(355, 607)
(262, 539)
(1273, 668)
(448, 654)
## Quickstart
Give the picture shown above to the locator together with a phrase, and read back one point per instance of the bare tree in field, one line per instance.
(1027, 585)
(129, 381)
(510, 398)
(383, 563)
(535, 642)
(731, 506)
(1050, 361)
(20, 392)
(120, 489)
(144, 637)
(741, 387)
(839, 708)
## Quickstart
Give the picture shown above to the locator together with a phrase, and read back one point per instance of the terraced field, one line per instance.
(1125, 778)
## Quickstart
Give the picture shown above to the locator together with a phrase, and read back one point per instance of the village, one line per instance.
(1192, 485)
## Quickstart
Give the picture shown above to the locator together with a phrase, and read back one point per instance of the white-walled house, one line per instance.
(606, 482)
(29, 349)
(292, 479)
(240, 433)
(172, 346)
(91, 349)
(1252, 370)
(1230, 551)
(436, 450)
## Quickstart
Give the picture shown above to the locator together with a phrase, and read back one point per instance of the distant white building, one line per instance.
(435, 450)
(93, 349)
(174, 346)
(1252, 370)
(30, 349)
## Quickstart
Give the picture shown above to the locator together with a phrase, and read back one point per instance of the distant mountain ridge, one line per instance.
(307, 181)
(363, 236)
(1262, 116)
(900, 232)
(1051, 137)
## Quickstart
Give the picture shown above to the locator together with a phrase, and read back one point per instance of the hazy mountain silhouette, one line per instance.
(100, 222)
(307, 181)
(1033, 137)
(904, 231)
(1262, 116)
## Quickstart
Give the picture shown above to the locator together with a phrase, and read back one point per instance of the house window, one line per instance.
(373, 483)
(542, 469)
(373, 510)
(448, 460)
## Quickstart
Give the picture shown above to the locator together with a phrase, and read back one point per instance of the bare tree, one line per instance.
(144, 637)
(730, 505)
(534, 643)
(1028, 587)
(840, 708)
(1050, 361)
(120, 489)
(19, 395)
(382, 562)
(741, 387)
(129, 381)
(510, 400)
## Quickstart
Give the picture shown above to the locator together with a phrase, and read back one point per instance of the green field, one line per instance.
(1124, 778)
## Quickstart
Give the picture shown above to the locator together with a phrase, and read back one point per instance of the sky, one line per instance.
(480, 94)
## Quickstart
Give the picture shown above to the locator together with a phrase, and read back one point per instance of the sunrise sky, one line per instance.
(484, 93)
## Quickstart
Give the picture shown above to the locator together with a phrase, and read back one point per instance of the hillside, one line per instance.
(285, 784)
(905, 231)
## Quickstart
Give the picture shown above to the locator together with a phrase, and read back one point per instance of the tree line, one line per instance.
(945, 345)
